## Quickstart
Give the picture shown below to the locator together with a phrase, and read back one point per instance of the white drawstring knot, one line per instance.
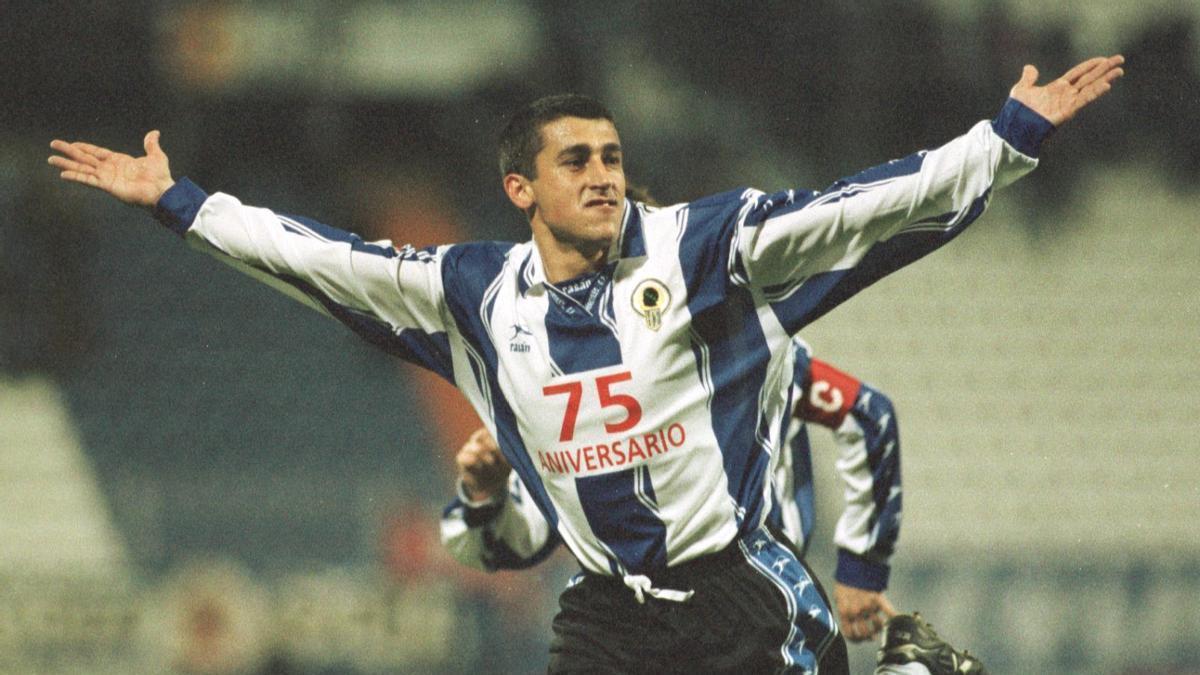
(641, 587)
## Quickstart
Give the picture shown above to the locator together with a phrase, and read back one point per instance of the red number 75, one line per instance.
(574, 392)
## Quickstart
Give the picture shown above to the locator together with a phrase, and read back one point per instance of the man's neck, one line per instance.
(562, 261)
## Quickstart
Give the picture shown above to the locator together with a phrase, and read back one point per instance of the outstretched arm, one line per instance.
(810, 251)
(392, 297)
(138, 181)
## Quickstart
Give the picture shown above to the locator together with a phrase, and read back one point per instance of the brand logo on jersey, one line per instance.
(518, 332)
(650, 299)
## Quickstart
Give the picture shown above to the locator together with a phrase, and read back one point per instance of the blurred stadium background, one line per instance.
(200, 476)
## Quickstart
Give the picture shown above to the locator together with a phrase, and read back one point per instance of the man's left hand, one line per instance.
(1059, 100)
(861, 613)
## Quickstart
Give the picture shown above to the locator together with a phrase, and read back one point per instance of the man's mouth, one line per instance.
(600, 202)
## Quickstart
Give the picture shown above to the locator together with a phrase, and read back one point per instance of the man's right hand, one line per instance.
(138, 181)
(482, 470)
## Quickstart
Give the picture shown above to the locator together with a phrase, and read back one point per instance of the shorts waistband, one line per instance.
(684, 574)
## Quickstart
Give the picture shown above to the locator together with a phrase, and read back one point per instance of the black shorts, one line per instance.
(756, 609)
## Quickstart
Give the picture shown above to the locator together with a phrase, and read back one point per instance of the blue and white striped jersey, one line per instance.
(508, 532)
(644, 420)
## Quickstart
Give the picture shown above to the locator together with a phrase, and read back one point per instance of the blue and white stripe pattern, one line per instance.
(602, 407)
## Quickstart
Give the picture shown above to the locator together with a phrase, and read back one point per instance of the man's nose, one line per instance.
(598, 175)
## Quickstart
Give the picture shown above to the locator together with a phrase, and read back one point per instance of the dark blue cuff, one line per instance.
(1024, 129)
(178, 206)
(481, 515)
(859, 572)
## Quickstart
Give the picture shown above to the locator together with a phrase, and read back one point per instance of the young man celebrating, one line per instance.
(632, 362)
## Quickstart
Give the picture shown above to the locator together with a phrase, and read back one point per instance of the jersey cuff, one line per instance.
(1022, 128)
(478, 513)
(178, 206)
(859, 572)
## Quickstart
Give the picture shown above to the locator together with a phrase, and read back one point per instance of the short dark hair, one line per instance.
(521, 140)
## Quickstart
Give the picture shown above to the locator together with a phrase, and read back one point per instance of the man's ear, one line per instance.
(519, 191)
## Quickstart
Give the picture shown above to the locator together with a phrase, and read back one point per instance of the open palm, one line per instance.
(139, 181)
(1059, 100)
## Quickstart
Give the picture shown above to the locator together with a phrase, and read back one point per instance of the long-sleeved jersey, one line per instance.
(508, 532)
(644, 419)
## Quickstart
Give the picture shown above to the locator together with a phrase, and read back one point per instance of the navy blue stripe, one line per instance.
(428, 350)
(619, 519)
(580, 343)
(802, 474)
(737, 366)
(498, 555)
(799, 309)
(356, 242)
(778, 204)
(870, 408)
(822, 292)
(467, 271)
(737, 357)
(785, 202)
(905, 166)
(522, 271)
(633, 244)
(475, 516)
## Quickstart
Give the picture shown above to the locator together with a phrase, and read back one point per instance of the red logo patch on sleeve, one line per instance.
(829, 396)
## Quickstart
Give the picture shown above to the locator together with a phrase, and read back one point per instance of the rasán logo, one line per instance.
(514, 342)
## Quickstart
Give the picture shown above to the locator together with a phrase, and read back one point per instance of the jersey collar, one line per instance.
(629, 244)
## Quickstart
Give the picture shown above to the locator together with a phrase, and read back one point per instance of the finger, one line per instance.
(885, 606)
(1097, 72)
(93, 150)
(69, 165)
(875, 624)
(464, 458)
(1029, 76)
(77, 177)
(150, 143)
(489, 441)
(74, 151)
(1080, 70)
(1096, 90)
(859, 631)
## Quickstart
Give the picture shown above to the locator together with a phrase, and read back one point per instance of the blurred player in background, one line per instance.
(631, 362)
(492, 523)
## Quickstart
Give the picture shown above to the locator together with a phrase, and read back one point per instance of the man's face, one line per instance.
(579, 192)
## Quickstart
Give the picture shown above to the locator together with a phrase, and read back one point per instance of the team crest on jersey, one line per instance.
(650, 298)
